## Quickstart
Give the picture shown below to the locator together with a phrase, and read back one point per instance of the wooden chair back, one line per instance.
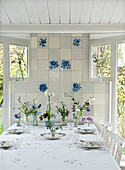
(115, 144)
(105, 126)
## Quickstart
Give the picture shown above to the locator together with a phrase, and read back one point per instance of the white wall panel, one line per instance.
(108, 11)
(22, 13)
(11, 10)
(97, 11)
(53, 7)
(86, 11)
(32, 11)
(64, 11)
(118, 12)
(42, 11)
(76, 11)
(3, 15)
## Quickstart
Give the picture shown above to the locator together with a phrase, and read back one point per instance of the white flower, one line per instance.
(46, 93)
(77, 110)
(35, 102)
(53, 94)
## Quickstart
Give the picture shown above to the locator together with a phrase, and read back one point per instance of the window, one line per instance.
(101, 60)
(121, 89)
(1, 88)
(18, 60)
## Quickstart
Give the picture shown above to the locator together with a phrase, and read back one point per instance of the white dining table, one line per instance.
(34, 152)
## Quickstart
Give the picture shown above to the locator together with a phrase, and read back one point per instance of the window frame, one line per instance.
(98, 43)
(7, 118)
(3, 85)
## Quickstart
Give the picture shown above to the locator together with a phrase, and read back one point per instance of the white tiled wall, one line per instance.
(60, 47)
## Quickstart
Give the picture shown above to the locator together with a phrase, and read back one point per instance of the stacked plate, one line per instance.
(86, 131)
(91, 145)
(50, 137)
(6, 144)
(15, 131)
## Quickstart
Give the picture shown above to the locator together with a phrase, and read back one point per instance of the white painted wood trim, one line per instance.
(6, 106)
(62, 28)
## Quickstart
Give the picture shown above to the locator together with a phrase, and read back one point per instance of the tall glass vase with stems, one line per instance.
(100, 75)
(76, 117)
(35, 121)
(64, 113)
(49, 123)
(19, 73)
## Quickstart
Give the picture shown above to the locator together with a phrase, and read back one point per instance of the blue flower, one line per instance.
(76, 42)
(88, 109)
(76, 87)
(33, 107)
(19, 99)
(65, 64)
(54, 116)
(42, 42)
(53, 65)
(43, 87)
(39, 106)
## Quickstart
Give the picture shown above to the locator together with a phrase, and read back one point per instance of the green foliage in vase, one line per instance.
(35, 108)
(48, 113)
(63, 111)
(77, 108)
(24, 108)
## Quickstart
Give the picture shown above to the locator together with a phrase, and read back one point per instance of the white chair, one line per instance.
(105, 126)
(115, 144)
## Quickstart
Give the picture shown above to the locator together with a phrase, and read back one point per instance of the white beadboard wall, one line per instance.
(60, 47)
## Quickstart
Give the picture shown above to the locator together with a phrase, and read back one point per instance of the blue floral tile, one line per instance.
(76, 87)
(43, 42)
(43, 87)
(53, 65)
(65, 65)
(76, 42)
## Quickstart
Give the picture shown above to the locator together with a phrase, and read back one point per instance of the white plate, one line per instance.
(92, 145)
(49, 136)
(86, 131)
(15, 131)
(6, 144)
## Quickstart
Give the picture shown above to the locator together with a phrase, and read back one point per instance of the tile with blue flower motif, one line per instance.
(53, 65)
(65, 65)
(76, 87)
(76, 42)
(43, 87)
(43, 42)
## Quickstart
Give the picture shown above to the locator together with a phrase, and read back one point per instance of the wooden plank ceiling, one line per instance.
(62, 11)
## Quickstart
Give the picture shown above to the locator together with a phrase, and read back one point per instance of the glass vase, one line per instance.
(100, 75)
(53, 131)
(35, 121)
(49, 123)
(18, 122)
(64, 122)
(19, 74)
(75, 122)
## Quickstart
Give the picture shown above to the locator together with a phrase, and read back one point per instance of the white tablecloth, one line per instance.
(33, 152)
